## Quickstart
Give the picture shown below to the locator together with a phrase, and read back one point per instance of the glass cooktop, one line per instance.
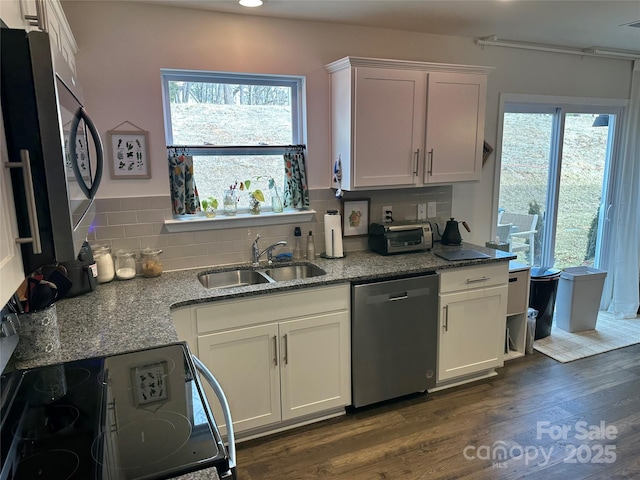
(136, 415)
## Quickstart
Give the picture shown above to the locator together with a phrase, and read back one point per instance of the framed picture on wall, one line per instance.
(355, 217)
(128, 153)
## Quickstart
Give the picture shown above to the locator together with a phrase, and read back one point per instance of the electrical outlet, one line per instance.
(431, 210)
(387, 214)
(422, 211)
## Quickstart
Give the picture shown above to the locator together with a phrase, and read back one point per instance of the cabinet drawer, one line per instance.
(518, 290)
(469, 278)
(246, 311)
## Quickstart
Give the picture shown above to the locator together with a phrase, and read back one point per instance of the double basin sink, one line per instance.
(242, 277)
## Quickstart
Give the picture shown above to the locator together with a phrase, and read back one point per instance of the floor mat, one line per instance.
(610, 334)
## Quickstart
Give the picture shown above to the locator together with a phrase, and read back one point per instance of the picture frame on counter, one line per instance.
(355, 217)
(128, 153)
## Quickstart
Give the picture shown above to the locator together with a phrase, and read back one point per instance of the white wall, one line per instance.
(123, 46)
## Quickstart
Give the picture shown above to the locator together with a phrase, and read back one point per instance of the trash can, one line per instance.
(578, 302)
(542, 297)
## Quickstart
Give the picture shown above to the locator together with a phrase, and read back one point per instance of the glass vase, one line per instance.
(254, 205)
(230, 202)
(276, 203)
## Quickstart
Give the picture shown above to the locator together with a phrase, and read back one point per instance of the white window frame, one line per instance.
(298, 106)
(550, 104)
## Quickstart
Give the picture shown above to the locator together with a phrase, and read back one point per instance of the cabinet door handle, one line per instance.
(275, 350)
(446, 318)
(40, 18)
(477, 280)
(430, 171)
(32, 213)
(415, 164)
(286, 350)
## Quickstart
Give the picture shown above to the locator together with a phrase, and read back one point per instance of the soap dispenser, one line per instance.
(311, 247)
(297, 252)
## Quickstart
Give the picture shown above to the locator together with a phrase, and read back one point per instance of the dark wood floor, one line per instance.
(454, 433)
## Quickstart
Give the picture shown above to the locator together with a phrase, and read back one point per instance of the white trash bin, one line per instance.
(578, 299)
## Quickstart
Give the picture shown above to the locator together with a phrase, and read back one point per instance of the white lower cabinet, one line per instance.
(473, 305)
(244, 363)
(280, 358)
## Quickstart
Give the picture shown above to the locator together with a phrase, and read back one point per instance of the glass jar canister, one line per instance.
(104, 263)
(230, 202)
(125, 264)
(151, 265)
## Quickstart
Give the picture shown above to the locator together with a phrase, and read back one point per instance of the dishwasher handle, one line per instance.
(217, 389)
(397, 295)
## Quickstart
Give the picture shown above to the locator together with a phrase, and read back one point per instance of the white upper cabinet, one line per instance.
(46, 16)
(455, 127)
(11, 271)
(406, 124)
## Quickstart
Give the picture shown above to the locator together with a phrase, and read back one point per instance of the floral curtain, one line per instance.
(184, 194)
(296, 189)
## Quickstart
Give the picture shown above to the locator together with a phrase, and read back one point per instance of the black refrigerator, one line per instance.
(55, 155)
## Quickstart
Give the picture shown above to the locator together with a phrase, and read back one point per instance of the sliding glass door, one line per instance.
(554, 193)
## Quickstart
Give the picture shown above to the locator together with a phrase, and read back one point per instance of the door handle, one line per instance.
(606, 215)
(446, 318)
(415, 168)
(275, 350)
(89, 191)
(430, 170)
(32, 212)
(286, 350)
(477, 280)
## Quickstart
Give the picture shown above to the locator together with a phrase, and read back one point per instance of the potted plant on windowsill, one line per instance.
(255, 197)
(209, 206)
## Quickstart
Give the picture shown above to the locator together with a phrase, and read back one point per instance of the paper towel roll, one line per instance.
(333, 235)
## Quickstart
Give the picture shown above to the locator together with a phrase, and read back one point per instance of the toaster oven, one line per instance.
(400, 237)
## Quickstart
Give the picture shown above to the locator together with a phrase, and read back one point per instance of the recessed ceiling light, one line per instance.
(250, 3)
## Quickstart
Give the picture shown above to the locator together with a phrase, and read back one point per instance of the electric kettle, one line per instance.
(451, 234)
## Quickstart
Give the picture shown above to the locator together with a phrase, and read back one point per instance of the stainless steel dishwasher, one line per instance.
(394, 329)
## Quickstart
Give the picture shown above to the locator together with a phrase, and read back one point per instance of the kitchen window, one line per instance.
(236, 127)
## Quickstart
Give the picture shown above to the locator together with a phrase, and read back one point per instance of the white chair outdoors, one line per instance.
(522, 229)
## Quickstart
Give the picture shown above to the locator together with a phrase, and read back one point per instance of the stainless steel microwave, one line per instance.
(55, 148)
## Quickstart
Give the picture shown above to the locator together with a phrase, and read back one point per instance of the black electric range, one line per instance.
(136, 415)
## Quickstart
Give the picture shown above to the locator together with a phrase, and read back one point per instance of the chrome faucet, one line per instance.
(256, 253)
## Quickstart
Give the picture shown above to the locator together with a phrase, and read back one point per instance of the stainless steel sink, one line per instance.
(294, 272)
(242, 277)
(232, 278)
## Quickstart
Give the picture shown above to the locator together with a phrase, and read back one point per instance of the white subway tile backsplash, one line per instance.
(162, 202)
(122, 218)
(125, 244)
(151, 216)
(139, 230)
(137, 203)
(135, 223)
(183, 238)
(108, 204)
(106, 233)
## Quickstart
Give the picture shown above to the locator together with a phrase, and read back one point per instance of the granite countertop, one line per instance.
(127, 315)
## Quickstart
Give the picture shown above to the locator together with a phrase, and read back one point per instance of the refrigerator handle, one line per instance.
(25, 164)
(89, 191)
